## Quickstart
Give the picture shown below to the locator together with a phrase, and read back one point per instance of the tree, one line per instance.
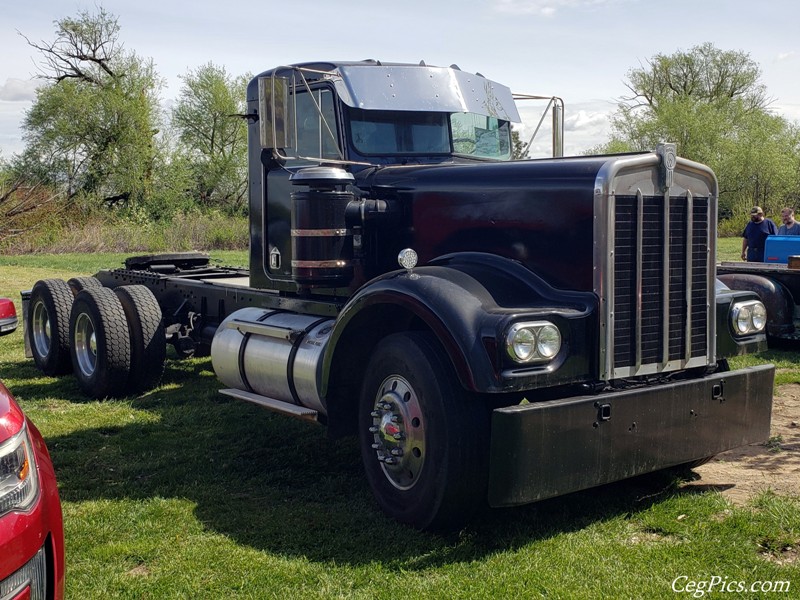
(21, 202)
(213, 136)
(713, 105)
(517, 146)
(704, 73)
(92, 128)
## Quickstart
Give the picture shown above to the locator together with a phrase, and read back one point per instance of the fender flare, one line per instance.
(776, 298)
(463, 298)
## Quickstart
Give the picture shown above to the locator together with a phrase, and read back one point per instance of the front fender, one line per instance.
(469, 301)
(776, 298)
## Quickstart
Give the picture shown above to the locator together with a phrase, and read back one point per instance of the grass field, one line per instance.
(182, 493)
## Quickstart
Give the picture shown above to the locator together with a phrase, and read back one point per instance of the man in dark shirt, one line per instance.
(790, 226)
(755, 234)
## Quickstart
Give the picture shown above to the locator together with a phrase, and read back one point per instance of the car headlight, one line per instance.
(533, 342)
(748, 317)
(19, 484)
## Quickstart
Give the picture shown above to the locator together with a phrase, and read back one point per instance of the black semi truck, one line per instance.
(493, 330)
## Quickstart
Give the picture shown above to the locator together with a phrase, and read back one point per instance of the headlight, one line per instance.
(19, 484)
(533, 342)
(743, 319)
(748, 317)
(759, 314)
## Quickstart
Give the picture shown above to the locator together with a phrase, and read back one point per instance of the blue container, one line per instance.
(778, 248)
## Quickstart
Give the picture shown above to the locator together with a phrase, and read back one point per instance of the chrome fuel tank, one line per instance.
(272, 353)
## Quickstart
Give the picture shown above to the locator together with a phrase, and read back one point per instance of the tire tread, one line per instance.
(57, 297)
(111, 375)
(147, 337)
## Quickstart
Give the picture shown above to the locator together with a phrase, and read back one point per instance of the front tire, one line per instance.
(424, 440)
(100, 347)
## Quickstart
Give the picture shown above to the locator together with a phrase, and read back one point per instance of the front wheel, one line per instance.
(424, 440)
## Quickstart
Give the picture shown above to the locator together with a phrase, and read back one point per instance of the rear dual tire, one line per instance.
(117, 340)
(77, 284)
(147, 338)
(113, 341)
(48, 326)
(100, 343)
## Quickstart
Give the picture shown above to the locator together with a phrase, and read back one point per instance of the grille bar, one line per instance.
(638, 277)
(668, 307)
(688, 269)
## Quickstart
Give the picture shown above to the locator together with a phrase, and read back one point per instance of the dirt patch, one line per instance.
(741, 473)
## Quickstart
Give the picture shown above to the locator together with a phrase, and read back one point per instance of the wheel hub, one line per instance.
(85, 345)
(398, 432)
(40, 324)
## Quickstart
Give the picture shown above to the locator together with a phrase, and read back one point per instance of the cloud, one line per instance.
(584, 120)
(18, 90)
(586, 125)
(785, 56)
(545, 8)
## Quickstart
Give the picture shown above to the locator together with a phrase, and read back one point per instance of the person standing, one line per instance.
(790, 226)
(755, 234)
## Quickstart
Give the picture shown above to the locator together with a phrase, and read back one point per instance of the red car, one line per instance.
(8, 317)
(31, 526)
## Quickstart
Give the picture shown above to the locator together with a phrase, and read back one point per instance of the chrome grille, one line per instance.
(661, 272)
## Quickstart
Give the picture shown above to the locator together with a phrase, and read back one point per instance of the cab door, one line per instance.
(316, 137)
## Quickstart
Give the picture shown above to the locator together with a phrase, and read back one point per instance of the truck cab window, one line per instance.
(313, 138)
(478, 135)
(399, 132)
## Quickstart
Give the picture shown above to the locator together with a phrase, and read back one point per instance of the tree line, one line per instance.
(97, 137)
(712, 103)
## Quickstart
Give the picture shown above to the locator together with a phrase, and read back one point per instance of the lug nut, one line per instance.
(375, 414)
(376, 446)
(398, 435)
(395, 419)
(374, 429)
(389, 460)
(397, 452)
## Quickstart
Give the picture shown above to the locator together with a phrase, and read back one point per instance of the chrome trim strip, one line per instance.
(604, 241)
(711, 261)
(639, 274)
(320, 264)
(320, 232)
(689, 271)
(665, 266)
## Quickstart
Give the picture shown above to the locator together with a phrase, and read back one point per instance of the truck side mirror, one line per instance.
(274, 112)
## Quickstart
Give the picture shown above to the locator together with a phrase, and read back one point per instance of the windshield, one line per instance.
(378, 132)
(399, 132)
(477, 135)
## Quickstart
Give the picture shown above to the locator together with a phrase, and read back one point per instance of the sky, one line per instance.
(579, 50)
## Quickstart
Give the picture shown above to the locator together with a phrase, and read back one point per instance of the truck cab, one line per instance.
(366, 116)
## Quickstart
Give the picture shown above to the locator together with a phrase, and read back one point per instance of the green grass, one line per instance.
(729, 249)
(183, 493)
